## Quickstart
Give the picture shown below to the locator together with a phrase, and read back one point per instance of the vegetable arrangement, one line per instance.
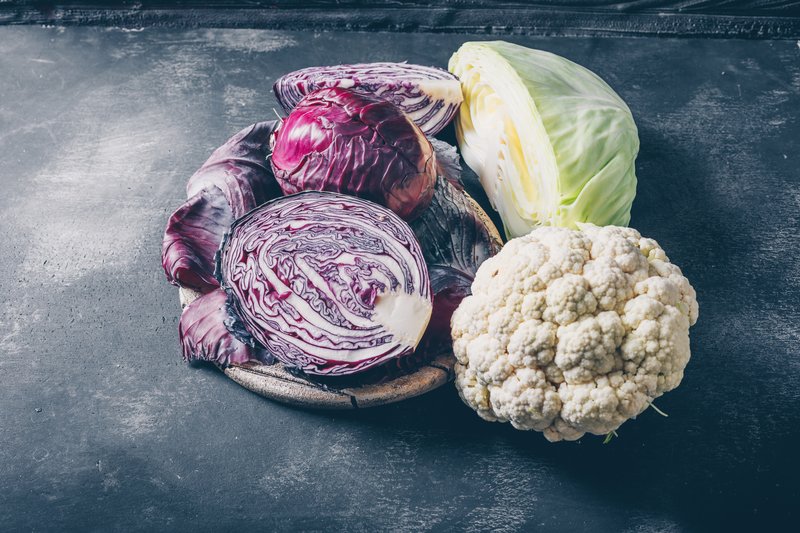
(339, 241)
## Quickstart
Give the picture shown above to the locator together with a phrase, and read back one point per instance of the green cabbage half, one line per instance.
(553, 144)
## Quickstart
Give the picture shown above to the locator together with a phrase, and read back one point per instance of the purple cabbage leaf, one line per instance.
(430, 96)
(234, 180)
(193, 235)
(456, 237)
(205, 337)
(239, 168)
(448, 162)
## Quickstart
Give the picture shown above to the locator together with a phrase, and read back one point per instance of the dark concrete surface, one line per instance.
(750, 19)
(103, 427)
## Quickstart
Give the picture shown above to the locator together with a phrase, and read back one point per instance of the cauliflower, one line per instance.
(568, 332)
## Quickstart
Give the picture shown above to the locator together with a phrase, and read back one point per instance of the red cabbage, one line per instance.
(329, 284)
(342, 141)
(429, 96)
(193, 235)
(205, 337)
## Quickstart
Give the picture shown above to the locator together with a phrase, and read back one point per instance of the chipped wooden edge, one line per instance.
(487, 221)
(276, 383)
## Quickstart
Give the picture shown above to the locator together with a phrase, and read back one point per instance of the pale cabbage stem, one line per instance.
(657, 410)
(521, 181)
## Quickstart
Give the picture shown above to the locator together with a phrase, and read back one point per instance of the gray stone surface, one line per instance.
(102, 427)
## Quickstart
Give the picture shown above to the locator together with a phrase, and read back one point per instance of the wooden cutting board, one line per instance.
(277, 383)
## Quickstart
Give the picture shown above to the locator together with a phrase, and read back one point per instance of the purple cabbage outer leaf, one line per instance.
(205, 337)
(234, 180)
(428, 95)
(192, 237)
(240, 169)
(329, 284)
(448, 162)
(342, 141)
(456, 236)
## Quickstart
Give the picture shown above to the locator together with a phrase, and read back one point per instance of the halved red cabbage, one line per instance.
(456, 236)
(234, 180)
(240, 169)
(192, 237)
(342, 141)
(205, 337)
(328, 283)
(429, 96)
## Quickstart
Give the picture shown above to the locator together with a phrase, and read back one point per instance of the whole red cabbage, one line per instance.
(328, 283)
(343, 141)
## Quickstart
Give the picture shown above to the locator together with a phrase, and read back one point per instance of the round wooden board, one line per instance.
(276, 383)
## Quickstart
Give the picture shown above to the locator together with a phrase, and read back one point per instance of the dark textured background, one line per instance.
(102, 427)
(756, 19)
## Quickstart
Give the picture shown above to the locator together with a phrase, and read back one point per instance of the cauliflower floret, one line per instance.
(474, 394)
(568, 250)
(526, 399)
(662, 289)
(608, 283)
(569, 332)
(619, 244)
(490, 362)
(568, 298)
(533, 344)
(587, 348)
(601, 405)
